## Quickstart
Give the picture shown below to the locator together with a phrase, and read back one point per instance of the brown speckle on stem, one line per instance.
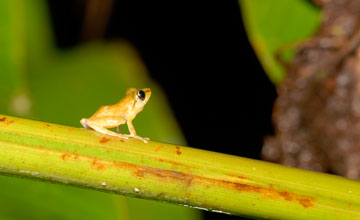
(178, 152)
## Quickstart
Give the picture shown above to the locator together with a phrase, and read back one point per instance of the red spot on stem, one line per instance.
(104, 140)
(178, 152)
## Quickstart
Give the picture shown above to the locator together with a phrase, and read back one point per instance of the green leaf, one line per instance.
(277, 25)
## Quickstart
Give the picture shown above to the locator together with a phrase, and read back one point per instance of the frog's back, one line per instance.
(117, 109)
(102, 111)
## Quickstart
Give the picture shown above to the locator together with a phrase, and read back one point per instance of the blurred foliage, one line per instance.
(274, 27)
(39, 81)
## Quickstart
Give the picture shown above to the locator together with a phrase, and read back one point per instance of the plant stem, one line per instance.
(172, 173)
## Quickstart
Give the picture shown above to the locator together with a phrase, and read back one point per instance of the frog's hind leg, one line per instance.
(100, 125)
(107, 132)
(83, 123)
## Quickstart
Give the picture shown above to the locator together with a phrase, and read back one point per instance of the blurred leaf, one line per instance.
(63, 87)
(12, 53)
(277, 25)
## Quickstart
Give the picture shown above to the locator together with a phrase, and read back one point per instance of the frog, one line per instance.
(124, 111)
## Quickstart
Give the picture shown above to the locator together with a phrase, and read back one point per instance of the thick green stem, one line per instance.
(172, 173)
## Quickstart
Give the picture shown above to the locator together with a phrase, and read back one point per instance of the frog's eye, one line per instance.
(141, 95)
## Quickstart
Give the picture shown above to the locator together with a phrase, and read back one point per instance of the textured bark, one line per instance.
(317, 113)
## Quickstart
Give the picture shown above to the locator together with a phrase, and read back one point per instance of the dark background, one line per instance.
(199, 53)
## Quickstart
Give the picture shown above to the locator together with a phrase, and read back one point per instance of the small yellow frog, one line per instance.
(110, 116)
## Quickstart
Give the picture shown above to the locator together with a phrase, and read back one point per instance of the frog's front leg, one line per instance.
(100, 125)
(133, 132)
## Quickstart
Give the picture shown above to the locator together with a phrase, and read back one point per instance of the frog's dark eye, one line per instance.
(141, 95)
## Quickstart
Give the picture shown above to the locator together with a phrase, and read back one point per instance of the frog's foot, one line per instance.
(145, 140)
(122, 136)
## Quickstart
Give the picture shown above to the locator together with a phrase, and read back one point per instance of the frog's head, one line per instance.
(141, 96)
